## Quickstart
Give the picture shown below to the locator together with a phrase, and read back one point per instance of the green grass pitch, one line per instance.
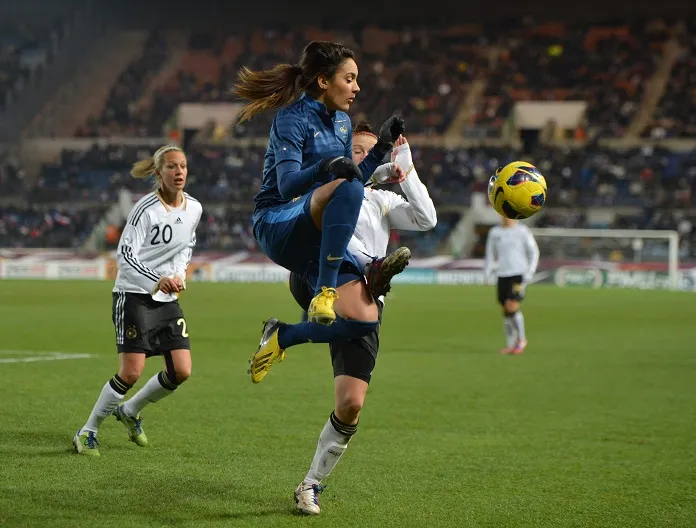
(595, 425)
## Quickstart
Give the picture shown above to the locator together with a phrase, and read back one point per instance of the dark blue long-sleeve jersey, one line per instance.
(303, 134)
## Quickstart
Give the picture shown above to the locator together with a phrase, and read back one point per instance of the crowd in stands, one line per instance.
(591, 176)
(36, 227)
(424, 74)
(675, 116)
(651, 180)
(121, 115)
(24, 51)
(605, 66)
(421, 74)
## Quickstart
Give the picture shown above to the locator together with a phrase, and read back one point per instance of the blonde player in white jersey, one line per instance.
(354, 360)
(152, 256)
(512, 246)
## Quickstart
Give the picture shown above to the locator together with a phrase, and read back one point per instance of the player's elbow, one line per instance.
(120, 259)
(428, 222)
(285, 190)
(125, 260)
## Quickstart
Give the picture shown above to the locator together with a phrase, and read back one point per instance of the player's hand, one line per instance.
(401, 155)
(391, 129)
(340, 167)
(523, 286)
(397, 175)
(180, 282)
(168, 285)
(401, 140)
(387, 173)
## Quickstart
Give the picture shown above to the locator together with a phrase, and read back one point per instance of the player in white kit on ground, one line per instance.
(152, 256)
(354, 360)
(513, 252)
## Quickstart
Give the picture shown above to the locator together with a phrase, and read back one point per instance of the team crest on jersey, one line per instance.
(343, 129)
(131, 333)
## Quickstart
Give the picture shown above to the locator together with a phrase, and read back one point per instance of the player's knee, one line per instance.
(352, 191)
(348, 407)
(182, 374)
(510, 307)
(130, 375)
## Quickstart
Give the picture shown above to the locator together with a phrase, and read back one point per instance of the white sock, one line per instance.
(106, 404)
(510, 332)
(519, 325)
(153, 391)
(331, 446)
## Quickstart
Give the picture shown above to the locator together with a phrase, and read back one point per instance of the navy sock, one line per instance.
(338, 224)
(342, 329)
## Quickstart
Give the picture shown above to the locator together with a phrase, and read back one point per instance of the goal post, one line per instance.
(631, 245)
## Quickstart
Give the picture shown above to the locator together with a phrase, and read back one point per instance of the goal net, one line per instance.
(619, 258)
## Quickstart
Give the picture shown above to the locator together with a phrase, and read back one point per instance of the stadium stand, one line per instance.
(675, 116)
(426, 76)
(24, 51)
(605, 65)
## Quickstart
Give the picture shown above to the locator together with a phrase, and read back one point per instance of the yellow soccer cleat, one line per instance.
(321, 309)
(268, 353)
(86, 443)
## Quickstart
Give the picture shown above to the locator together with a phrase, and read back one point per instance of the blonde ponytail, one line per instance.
(143, 169)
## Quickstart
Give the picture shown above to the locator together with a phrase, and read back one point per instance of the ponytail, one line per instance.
(143, 169)
(266, 89)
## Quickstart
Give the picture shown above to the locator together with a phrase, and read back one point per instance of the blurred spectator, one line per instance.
(46, 228)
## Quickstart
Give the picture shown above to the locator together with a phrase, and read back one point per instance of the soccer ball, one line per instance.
(518, 190)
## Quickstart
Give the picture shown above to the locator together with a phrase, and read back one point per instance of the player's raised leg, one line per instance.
(358, 317)
(335, 208)
(382, 270)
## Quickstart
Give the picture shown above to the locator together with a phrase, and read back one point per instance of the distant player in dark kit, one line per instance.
(152, 256)
(513, 248)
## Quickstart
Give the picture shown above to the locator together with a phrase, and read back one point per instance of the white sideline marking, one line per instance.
(30, 356)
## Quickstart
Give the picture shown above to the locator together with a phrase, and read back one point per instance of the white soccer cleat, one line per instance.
(307, 498)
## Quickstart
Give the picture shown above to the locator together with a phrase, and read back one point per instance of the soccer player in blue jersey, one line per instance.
(312, 192)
